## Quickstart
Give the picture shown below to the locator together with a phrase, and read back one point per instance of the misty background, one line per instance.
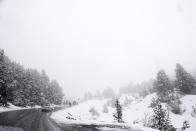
(90, 45)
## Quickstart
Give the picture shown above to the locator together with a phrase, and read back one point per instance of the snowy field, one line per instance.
(135, 110)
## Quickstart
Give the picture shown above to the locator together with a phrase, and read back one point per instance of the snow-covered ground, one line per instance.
(100, 112)
(135, 110)
(12, 107)
(187, 102)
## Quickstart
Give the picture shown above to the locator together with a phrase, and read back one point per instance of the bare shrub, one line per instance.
(147, 120)
(136, 121)
(184, 126)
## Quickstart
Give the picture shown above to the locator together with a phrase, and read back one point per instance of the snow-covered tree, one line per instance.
(185, 81)
(26, 87)
(56, 92)
(3, 79)
(158, 117)
(118, 114)
(163, 86)
(154, 102)
(161, 119)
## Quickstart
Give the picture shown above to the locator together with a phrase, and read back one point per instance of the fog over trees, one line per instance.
(26, 87)
(162, 84)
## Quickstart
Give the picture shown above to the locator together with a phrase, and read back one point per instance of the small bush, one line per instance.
(185, 126)
(175, 106)
(194, 109)
(136, 121)
(193, 114)
(94, 112)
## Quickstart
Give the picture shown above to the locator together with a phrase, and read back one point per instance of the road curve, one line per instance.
(36, 120)
(28, 120)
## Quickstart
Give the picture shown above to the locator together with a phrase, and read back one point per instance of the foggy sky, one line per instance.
(94, 44)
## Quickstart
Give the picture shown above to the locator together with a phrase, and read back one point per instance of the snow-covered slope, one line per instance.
(187, 102)
(135, 109)
(82, 113)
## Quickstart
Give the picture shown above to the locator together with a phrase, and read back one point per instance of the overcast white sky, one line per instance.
(93, 44)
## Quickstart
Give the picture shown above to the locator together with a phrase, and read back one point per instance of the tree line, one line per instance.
(183, 84)
(26, 87)
(169, 91)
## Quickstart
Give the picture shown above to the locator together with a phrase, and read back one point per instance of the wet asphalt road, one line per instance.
(36, 120)
(28, 120)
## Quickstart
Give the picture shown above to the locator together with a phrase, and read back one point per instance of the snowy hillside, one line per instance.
(81, 112)
(135, 110)
(187, 102)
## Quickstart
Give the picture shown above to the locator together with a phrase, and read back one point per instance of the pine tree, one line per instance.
(158, 117)
(26, 87)
(185, 81)
(163, 86)
(161, 119)
(3, 78)
(118, 114)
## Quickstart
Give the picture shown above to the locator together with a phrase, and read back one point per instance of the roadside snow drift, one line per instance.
(11, 107)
